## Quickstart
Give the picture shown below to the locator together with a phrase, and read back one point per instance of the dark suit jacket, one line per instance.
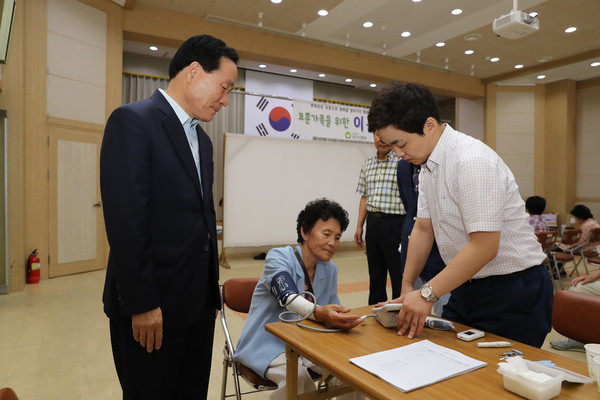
(160, 228)
(409, 198)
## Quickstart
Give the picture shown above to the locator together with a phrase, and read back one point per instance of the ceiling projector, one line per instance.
(515, 25)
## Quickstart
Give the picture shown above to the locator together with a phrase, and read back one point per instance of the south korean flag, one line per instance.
(269, 117)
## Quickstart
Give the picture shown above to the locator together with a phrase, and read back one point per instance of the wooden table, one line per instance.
(332, 351)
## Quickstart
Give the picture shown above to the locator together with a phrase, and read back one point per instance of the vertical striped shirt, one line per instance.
(378, 182)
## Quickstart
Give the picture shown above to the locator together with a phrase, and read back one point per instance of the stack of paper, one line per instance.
(416, 365)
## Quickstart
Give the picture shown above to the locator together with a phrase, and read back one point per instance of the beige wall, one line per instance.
(588, 146)
(76, 49)
(549, 136)
(515, 134)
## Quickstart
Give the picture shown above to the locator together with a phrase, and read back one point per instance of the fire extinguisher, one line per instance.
(33, 267)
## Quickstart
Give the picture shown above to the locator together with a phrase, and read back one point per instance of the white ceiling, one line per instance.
(429, 21)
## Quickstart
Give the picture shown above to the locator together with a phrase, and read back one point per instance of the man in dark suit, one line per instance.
(156, 176)
(408, 185)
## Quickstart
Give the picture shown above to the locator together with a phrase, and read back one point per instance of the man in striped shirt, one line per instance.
(381, 207)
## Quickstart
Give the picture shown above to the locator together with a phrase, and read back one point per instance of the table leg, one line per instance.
(291, 378)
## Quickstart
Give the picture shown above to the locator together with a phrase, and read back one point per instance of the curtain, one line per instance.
(138, 87)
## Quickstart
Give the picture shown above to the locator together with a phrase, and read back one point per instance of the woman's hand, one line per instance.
(337, 316)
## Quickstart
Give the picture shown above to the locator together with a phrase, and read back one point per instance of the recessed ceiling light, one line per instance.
(440, 44)
(348, 80)
(472, 37)
(518, 66)
(276, 1)
(494, 59)
(541, 76)
(293, 70)
(153, 48)
(570, 29)
(368, 24)
(595, 64)
(469, 51)
(456, 11)
(322, 13)
(544, 59)
(373, 85)
(405, 34)
(416, 1)
(262, 65)
(322, 75)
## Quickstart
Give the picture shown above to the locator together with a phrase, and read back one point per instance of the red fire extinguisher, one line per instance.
(33, 267)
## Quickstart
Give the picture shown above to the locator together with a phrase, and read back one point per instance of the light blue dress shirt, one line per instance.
(189, 127)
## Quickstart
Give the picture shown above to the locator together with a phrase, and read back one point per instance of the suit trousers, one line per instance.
(383, 236)
(180, 370)
(517, 306)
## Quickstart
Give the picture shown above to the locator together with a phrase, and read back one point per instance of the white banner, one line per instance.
(330, 121)
(299, 119)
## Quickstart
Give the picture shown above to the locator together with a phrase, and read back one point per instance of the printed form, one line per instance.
(416, 365)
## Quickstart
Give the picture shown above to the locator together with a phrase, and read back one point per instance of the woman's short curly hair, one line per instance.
(320, 209)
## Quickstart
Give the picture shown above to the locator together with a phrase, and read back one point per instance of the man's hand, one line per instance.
(358, 240)
(411, 317)
(336, 316)
(147, 329)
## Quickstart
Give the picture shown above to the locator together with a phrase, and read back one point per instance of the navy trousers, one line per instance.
(517, 306)
(180, 370)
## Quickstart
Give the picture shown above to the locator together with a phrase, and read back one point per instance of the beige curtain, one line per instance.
(138, 87)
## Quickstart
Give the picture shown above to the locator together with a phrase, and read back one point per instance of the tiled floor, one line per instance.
(54, 342)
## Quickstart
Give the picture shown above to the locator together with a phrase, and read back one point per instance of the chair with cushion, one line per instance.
(569, 237)
(8, 394)
(585, 255)
(548, 241)
(575, 315)
(236, 294)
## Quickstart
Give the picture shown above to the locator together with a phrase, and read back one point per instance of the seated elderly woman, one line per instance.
(586, 222)
(290, 270)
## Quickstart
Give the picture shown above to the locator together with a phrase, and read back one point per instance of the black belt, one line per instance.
(384, 215)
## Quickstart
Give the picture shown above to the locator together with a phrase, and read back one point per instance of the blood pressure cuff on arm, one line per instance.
(282, 286)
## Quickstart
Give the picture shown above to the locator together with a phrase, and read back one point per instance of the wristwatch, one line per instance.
(427, 293)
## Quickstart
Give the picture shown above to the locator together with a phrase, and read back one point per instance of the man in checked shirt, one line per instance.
(381, 207)
(470, 204)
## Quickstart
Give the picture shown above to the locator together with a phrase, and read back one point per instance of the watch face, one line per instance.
(427, 292)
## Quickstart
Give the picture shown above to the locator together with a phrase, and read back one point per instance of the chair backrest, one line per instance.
(594, 236)
(8, 394)
(575, 315)
(571, 236)
(546, 239)
(237, 293)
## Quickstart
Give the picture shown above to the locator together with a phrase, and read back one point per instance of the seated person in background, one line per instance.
(585, 222)
(290, 270)
(589, 284)
(535, 206)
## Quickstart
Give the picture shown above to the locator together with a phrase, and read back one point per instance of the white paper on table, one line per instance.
(416, 365)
